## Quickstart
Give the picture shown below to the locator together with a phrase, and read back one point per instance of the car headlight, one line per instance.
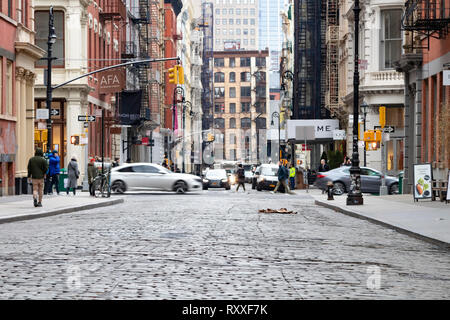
(232, 179)
(224, 180)
(205, 181)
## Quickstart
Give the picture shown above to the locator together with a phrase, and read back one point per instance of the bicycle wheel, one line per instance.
(98, 188)
(106, 190)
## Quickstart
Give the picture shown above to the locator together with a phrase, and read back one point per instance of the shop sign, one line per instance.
(423, 176)
(111, 81)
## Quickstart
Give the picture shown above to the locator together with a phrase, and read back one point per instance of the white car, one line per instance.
(150, 176)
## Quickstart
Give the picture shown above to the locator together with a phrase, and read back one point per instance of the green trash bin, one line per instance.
(62, 175)
(400, 182)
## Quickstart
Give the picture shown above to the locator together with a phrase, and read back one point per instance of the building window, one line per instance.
(232, 123)
(232, 76)
(230, 21)
(224, 11)
(230, 11)
(224, 21)
(245, 21)
(245, 62)
(260, 107)
(252, 12)
(238, 21)
(245, 76)
(245, 123)
(245, 41)
(238, 32)
(9, 88)
(261, 91)
(232, 62)
(391, 37)
(219, 77)
(233, 154)
(219, 92)
(261, 123)
(219, 108)
(245, 31)
(245, 92)
(252, 22)
(1, 84)
(217, 22)
(260, 62)
(41, 25)
(232, 92)
(245, 107)
(219, 123)
(219, 62)
(238, 12)
(252, 32)
(232, 107)
(232, 138)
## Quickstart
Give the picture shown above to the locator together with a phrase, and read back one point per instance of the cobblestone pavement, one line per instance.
(215, 245)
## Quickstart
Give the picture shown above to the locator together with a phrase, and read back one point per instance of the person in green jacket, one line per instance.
(292, 176)
(92, 173)
(37, 169)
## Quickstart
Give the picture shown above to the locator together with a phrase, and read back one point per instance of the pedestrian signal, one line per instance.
(210, 137)
(75, 140)
(173, 78)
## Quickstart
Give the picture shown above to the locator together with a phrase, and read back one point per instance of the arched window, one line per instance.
(245, 123)
(232, 123)
(219, 123)
(219, 77)
(246, 76)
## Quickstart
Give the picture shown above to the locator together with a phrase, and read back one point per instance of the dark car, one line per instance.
(370, 180)
(266, 177)
(217, 178)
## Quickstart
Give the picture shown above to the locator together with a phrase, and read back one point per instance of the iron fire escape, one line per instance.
(425, 19)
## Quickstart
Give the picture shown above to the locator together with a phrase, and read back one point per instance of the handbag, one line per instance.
(66, 183)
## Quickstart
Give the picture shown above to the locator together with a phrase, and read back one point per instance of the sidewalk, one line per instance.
(427, 220)
(19, 208)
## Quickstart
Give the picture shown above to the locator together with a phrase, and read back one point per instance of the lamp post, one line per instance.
(277, 115)
(354, 196)
(364, 107)
(176, 92)
(49, 58)
(186, 104)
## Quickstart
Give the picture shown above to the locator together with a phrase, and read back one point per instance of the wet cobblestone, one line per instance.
(215, 245)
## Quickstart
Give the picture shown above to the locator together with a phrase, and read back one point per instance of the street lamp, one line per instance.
(49, 58)
(364, 108)
(176, 92)
(277, 115)
(257, 136)
(354, 196)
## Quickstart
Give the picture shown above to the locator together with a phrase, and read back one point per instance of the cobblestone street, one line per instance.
(215, 245)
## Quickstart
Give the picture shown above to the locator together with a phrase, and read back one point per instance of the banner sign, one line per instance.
(111, 81)
(423, 176)
(130, 107)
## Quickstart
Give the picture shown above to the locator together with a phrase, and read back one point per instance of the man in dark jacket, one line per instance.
(324, 167)
(37, 167)
(92, 173)
(53, 172)
(240, 177)
(283, 175)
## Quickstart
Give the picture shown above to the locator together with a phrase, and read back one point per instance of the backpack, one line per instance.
(241, 173)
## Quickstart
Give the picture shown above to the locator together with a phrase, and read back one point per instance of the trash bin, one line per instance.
(400, 182)
(62, 175)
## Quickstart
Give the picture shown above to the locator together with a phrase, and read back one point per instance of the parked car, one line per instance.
(266, 177)
(248, 176)
(216, 178)
(370, 180)
(149, 176)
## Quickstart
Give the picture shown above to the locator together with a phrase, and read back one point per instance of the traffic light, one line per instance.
(382, 116)
(372, 139)
(173, 77)
(180, 74)
(210, 137)
(75, 139)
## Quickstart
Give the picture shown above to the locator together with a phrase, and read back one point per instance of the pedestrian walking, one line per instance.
(283, 175)
(324, 167)
(37, 168)
(292, 173)
(92, 173)
(240, 177)
(115, 163)
(73, 174)
(54, 171)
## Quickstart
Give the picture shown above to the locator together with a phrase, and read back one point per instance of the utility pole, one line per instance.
(50, 42)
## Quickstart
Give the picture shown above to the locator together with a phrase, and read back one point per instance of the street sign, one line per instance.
(86, 125)
(42, 114)
(54, 112)
(86, 118)
(387, 129)
(339, 135)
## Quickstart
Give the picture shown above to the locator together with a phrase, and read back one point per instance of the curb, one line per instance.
(353, 214)
(61, 211)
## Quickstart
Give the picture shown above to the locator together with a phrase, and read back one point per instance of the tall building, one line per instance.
(241, 98)
(236, 25)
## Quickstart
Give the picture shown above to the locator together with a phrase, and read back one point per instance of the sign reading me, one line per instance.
(111, 81)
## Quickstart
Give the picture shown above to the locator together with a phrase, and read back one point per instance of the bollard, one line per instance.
(330, 190)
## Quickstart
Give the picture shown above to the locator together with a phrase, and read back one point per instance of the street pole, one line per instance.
(50, 42)
(103, 140)
(355, 195)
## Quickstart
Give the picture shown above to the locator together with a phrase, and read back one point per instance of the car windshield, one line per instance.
(269, 171)
(216, 174)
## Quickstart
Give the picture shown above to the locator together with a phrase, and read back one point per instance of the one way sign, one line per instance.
(386, 129)
(86, 118)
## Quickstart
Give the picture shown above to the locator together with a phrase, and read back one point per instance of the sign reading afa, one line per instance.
(111, 81)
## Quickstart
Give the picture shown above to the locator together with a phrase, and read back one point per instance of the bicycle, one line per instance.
(102, 185)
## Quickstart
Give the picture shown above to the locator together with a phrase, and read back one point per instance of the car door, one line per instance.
(370, 180)
(128, 176)
(150, 177)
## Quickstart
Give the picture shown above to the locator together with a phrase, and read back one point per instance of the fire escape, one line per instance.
(332, 61)
(424, 19)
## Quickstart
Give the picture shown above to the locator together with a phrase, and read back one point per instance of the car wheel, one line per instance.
(205, 188)
(338, 188)
(258, 187)
(180, 187)
(119, 187)
(393, 189)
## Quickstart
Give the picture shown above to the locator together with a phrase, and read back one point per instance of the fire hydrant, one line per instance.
(330, 190)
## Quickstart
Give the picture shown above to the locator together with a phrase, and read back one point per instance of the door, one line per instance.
(370, 180)
(146, 177)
